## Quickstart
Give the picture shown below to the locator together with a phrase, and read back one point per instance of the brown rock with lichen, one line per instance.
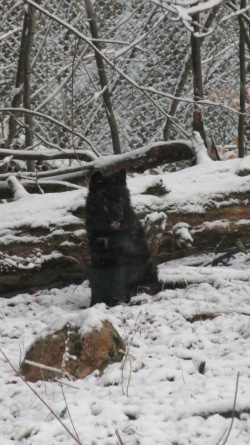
(73, 355)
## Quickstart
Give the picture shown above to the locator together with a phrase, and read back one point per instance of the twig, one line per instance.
(119, 437)
(37, 183)
(182, 372)
(233, 412)
(46, 368)
(128, 356)
(66, 384)
(51, 119)
(41, 138)
(9, 33)
(71, 421)
(41, 399)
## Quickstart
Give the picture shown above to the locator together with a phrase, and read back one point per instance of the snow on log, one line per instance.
(4, 165)
(41, 241)
(200, 150)
(202, 209)
(150, 156)
(18, 191)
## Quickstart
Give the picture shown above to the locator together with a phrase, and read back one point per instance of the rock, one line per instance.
(71, 354)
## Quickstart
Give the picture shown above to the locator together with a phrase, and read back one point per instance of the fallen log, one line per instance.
(43, 238)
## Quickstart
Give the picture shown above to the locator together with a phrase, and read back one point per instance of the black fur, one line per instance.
(120, 258)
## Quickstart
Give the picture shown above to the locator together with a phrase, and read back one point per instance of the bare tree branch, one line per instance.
(145, 90)
(26, 155)
(51, 119)
(139, 160)
(8, 34)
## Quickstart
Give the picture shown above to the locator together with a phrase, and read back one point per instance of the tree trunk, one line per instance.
(241, 138)
(183, 79)
(22, 85)
(177, 93)
(29, 25)
(103, 79)
(18, 91)
(198, 124)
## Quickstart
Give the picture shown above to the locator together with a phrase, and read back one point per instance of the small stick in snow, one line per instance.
(40, 398)
(119, 437)
(48, 368)
(233, 412)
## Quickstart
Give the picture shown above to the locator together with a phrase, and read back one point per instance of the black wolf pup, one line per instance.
(120, 258)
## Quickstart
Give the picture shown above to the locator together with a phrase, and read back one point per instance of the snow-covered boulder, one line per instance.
(67, 353)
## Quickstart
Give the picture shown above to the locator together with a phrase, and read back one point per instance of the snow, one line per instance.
(51, 208)
(159, 393)
(193, 189)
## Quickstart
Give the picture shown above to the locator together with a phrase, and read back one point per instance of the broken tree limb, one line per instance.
(139, 160)
(153, 154)
(48, 155)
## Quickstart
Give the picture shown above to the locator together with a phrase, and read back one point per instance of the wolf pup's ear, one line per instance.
(96, 180)
(120, 177)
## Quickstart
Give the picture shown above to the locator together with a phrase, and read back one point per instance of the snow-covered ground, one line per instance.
(159, 394)
(185, 377)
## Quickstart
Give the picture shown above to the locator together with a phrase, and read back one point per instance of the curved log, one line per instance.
(144, 158)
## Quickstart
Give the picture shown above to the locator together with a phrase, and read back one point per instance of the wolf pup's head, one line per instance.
(111, 197)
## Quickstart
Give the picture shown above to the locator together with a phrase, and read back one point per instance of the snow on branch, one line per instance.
(5, 164)
(48, 155)
(9, 33)
(185, 10)
(16, 188)
(200, 7)
(200, 149)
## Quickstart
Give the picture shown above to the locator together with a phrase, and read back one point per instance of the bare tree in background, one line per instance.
(182, 81)
(29, 25)
(103, 79)
(131, 60)
(242, 56)
(22, 91)
(198, 124)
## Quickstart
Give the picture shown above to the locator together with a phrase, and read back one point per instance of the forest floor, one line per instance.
(185, 377)
(186, 351)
